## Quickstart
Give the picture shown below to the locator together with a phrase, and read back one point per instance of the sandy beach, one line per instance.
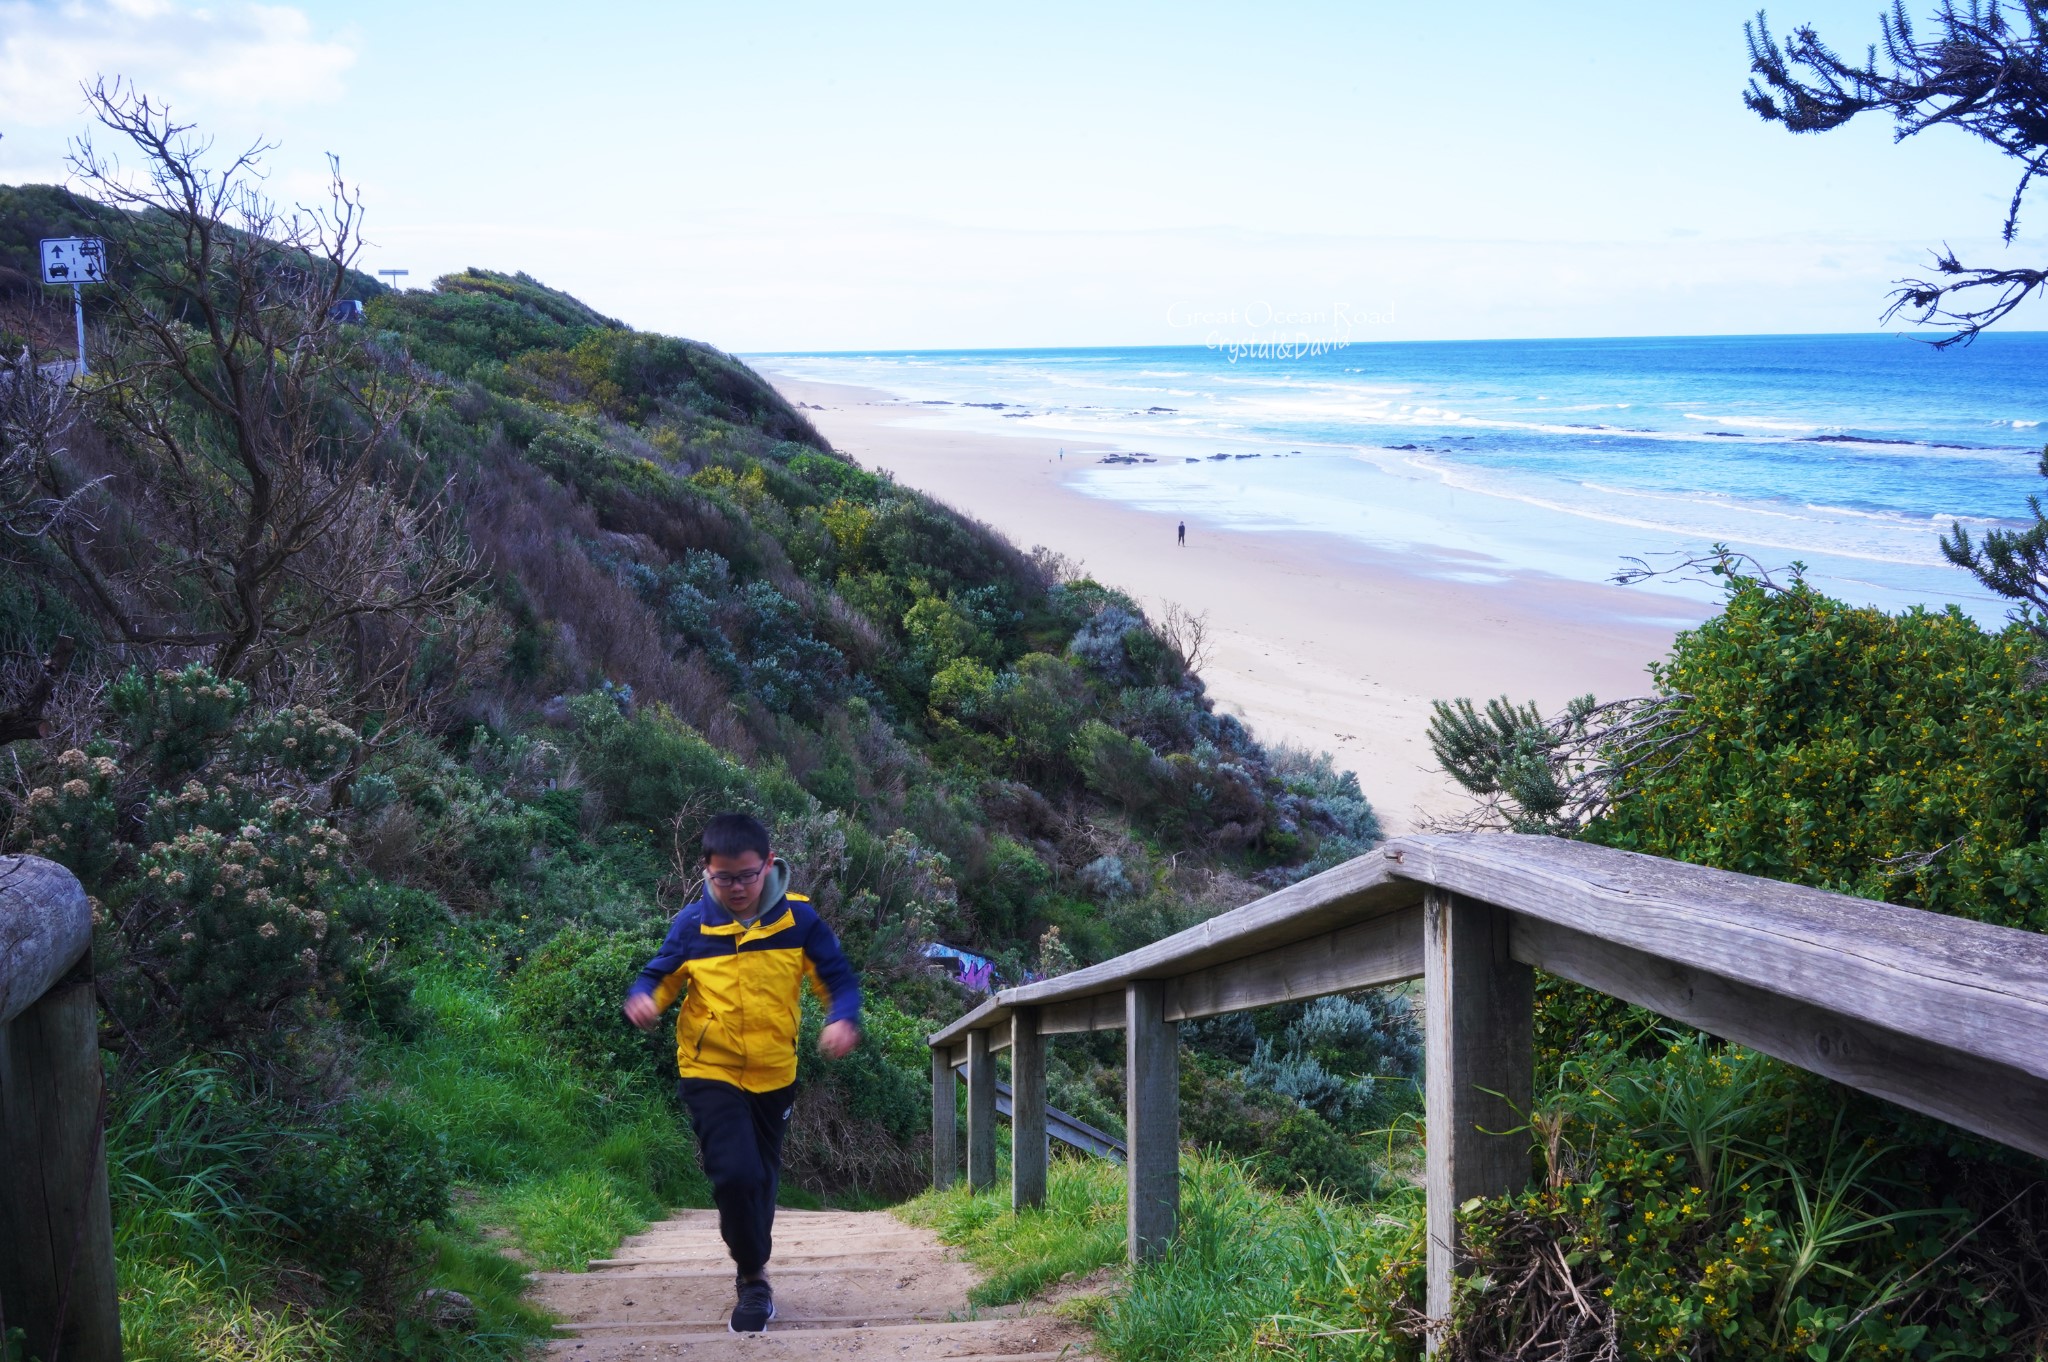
(1317, 640)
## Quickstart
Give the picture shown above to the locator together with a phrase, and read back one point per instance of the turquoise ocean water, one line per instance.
(1485, 458)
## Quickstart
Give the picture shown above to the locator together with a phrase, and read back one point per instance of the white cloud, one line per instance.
(232, 54)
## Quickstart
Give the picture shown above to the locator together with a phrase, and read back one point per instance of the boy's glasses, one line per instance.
(727, 879)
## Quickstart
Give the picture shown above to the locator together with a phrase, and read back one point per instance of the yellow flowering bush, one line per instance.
(1897, 757)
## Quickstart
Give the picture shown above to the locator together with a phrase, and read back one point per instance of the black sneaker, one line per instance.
(756, 1306)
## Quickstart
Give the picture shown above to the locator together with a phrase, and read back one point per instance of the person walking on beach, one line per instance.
(737, 956)
(1183, 539)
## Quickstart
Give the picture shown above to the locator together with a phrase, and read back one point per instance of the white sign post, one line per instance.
(75, 260)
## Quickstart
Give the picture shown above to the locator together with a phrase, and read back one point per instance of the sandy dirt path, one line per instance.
(848, 1284)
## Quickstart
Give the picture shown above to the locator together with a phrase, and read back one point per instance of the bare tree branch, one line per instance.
(274, 482)
(1718, 564)
(1187, 634)
(1984, 70)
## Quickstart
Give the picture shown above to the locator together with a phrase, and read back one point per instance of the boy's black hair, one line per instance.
(734, 834)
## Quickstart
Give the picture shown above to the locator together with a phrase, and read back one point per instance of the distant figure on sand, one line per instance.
(1183, 539)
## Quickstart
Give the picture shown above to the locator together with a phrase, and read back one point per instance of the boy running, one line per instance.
(736, 956)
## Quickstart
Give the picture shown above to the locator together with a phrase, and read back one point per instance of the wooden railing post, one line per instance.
(1479, 1010)
(945, 1119)
(1028, 1146)
(981, 1112)
(1151, 1118)
(56, 1235)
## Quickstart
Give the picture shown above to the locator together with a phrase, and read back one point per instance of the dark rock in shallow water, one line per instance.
(1402, 446)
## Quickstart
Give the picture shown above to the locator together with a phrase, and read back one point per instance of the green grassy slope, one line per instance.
(684, 601)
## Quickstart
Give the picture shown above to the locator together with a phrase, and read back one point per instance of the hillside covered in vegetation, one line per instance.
(410, 651)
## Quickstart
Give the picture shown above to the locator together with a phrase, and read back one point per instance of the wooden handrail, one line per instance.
(1941, 1014)
(57, 1278)
(45, 930)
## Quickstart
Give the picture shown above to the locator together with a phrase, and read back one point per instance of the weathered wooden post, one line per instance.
(56, 1233)
(945, 1119)
(1151, 1118)
(1028, 1147)
(1479, 1066)
(981, 1112)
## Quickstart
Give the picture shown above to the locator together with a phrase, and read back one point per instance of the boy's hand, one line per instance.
(641, 1011)
(838, 1040)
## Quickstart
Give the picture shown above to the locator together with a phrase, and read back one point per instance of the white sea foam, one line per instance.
(1517, 464)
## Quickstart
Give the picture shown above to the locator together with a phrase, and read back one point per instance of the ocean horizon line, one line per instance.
(1928, 338)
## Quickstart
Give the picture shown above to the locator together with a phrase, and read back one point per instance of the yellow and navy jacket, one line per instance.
(739, 984)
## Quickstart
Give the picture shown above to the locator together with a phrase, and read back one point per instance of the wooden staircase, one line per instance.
(853, 1285)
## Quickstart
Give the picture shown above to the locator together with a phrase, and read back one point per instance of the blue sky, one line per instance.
(796, 177)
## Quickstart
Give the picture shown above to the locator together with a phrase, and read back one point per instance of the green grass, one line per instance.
(566, 1162)
(1078, 1230)
(569, 1162)
(1253, 1273)
(194, 1312)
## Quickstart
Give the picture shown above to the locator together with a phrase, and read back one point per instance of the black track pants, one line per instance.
(739, 1139)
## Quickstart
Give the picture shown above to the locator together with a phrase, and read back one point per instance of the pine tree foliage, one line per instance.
(1554, 775)
(2013, 563)
(1983, 68)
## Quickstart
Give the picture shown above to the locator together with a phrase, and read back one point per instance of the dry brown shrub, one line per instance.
(526, 526)
(827, 1149)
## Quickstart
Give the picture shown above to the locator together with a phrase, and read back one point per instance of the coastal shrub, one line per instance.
(1373, 1032)
(786, 666)
(233, 926)
(220, 889)
(1898, 757)
(1106, 878)
(173, 720)
(1301, 1078)
(1123, 769)
(651, 766)
(939, 633)
(1330, 801)
(840, 477)
(568, 995)
(1119, 648)
(1162, 717)
(1307, 1151)
(72, 819)
(1033, 707)
(1710, 1198)
(1007, 892)
(351, 1195)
